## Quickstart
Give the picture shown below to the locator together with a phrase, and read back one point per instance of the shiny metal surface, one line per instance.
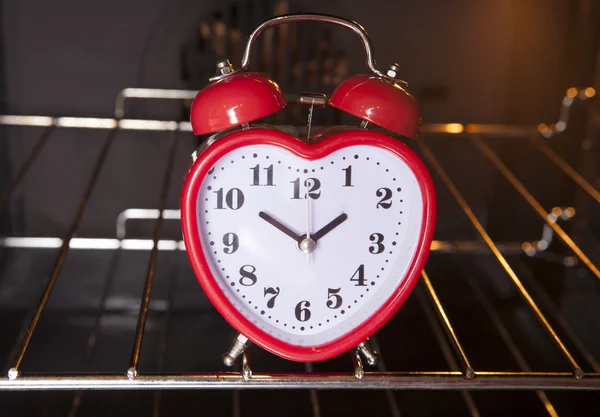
(238, 347)
(371, 380)
(246, 366)
(539, 246)
(312, 99)
(143, 314)
(174, 94)
(149, 93)
(367, 351)
(308, 17)
(508, 340)
(508, 131)
(566, 168)
(444, 346)
(466, 365)
(571, 95)
(146, 214)
(359, 371)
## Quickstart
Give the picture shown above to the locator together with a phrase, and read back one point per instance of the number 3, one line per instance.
(377, 246)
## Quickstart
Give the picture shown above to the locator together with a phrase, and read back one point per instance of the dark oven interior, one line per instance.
(94, 275)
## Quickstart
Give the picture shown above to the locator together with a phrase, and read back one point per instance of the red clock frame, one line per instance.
(325, 146)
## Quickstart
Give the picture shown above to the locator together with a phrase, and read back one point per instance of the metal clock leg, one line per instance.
(359, 371)
(246, 367)
(366, 350)
(239, 346)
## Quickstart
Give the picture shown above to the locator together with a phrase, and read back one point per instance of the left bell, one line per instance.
(234, 99)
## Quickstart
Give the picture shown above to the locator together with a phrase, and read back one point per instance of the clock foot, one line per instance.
(359, 371)
(240, 344)
(246, 369)
(367, 352)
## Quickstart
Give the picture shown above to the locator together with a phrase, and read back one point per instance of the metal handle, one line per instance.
(308, 17)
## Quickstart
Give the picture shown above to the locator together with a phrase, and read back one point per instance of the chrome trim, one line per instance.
(152, 93)
(308, 17)
(390, 380)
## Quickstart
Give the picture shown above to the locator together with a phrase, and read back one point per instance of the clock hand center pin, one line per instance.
(307, 246)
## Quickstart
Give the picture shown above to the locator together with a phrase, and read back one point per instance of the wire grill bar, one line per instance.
(371, 380)
(503, 262)
(508, 341)
(172, 125)
(132, 372)
(549, 305)
(14, 371)
(448, 326)
(487, 151)
(445, 347)
(566, 168)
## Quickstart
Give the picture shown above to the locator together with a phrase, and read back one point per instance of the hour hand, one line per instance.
(279, 226)
(329, 226)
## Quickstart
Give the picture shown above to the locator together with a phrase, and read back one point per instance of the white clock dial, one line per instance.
(363, 209)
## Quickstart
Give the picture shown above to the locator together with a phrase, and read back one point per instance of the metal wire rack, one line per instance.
(581, 370)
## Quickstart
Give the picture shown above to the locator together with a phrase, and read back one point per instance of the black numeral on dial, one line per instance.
(386, 195)
(333, 299)
(234, 198)
(377, 246)
(313, 185)
(348, 171)
(248, 278)
(359, 276)
(302, 311)
(274, 292)
(256, 175)
(231, 242)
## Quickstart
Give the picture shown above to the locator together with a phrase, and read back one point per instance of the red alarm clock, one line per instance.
(306, 247)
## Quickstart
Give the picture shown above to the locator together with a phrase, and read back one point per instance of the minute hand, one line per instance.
(329, 227)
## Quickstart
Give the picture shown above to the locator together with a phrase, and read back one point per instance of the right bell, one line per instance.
(380, 100)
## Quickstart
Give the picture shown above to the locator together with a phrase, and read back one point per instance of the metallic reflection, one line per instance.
(152, 93)
(14, 120)
(390, 380)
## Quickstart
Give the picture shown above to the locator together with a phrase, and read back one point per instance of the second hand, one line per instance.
(307, 221)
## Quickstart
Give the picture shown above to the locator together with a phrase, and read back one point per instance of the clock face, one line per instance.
(309, 250)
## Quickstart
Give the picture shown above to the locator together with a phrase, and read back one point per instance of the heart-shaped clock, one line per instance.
(306, 247)
(307, 250)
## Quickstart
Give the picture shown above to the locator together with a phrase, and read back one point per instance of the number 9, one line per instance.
(232, 243)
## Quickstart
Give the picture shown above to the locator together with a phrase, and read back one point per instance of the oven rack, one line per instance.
(462, 377)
